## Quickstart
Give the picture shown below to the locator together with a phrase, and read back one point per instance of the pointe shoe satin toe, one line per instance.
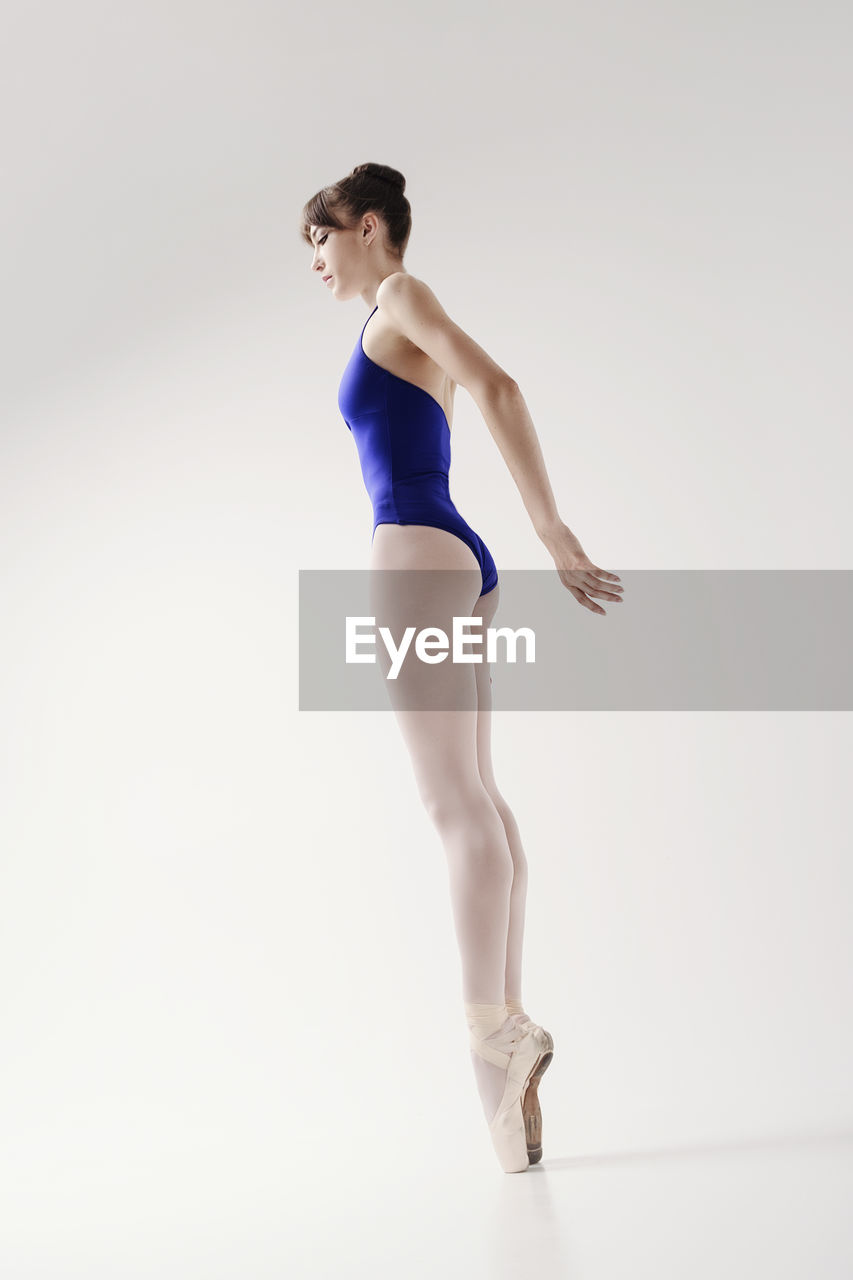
(530, 1108)
(528, 1047)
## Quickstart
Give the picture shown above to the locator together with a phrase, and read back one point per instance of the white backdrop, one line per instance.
(232, 1032)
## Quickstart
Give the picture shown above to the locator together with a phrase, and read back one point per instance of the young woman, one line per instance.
(396, 397)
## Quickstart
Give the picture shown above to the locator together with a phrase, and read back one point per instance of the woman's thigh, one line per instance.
(419, 583)
(486, 608)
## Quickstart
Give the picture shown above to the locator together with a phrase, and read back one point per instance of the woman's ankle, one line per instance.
(484, 1019)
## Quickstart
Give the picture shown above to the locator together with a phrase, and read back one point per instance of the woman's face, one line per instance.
(336, 255)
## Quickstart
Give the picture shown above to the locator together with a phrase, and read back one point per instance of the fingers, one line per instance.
(595, 588)
(581, 598)
(596, 575)
(604, 573)
(583, 583)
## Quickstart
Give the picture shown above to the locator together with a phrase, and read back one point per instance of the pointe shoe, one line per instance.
(530, 1101)
(528, 1047)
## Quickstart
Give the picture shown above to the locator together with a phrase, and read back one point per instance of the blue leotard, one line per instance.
(403, 440)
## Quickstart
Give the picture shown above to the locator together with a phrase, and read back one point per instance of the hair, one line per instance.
(375, 187)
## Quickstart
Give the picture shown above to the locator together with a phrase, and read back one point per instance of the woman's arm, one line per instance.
(414, 309)
(506, 415)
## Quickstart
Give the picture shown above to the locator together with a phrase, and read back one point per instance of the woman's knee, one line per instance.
(470, 813)
(513, 836)
(503, 810)
(448, 804)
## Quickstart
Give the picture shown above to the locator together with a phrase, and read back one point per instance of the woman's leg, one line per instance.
(442, 745)
(486, 608)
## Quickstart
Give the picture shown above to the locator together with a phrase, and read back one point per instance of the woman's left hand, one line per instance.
(576, 570)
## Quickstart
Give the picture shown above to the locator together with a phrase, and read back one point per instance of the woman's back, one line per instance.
(403, 440)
